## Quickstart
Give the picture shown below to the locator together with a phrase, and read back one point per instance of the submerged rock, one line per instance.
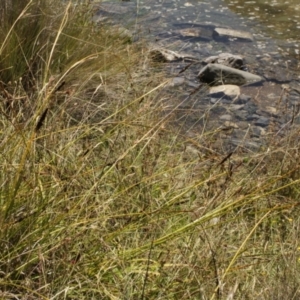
(226, 59)
(193, 33)
(189, 32)
(112, 8)
(230, 33)
(262, 122)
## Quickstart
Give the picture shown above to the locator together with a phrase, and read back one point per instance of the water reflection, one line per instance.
(280, 19)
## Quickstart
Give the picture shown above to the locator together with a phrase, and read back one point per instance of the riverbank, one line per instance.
(103, 197)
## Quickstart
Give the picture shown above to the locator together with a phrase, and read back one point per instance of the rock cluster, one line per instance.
(240, 104)
(246, 96)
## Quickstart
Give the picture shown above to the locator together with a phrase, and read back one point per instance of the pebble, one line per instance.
(226, 117)
(257, 131)
(229, 124)
(253, 117)
(225, 92)
(243, 99)
(236, 106)
(262, 121)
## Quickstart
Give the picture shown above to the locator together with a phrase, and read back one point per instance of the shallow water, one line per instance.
(279, 19)
(189, 27)
(274, 24)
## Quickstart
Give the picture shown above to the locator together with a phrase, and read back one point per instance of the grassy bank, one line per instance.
(101, 197)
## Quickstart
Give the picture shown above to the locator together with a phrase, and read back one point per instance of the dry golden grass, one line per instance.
(101, 197)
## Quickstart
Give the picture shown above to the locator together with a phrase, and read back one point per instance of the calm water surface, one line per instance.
(274, 24)
(278, 18)
(275, 19)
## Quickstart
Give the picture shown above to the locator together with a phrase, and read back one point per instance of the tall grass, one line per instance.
(102, 197)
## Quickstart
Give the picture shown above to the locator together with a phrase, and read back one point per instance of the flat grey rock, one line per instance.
(217, 74)
(235, 107)
(176, 81)
(230, 33)
(253, 117)
(262, 122)
(205, 30)
(241, 115)
(257, 131)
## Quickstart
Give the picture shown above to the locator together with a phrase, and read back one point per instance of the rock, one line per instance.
(297, 120)
(294, 96)
(262, 122)
(226, 117)
(241, 115)
(189, 32)
(250, 108)
(218, 110)
(246, 144)
(193, 29)
(192, 84)
(226, 59)
(253, 117)
(272, 111)
(244, 125)
(225, 92)
(159, 54)
(115, 14)
(176, 81)
(236, 107)
(230, 125)
(243, 99)
(163, 55)
(257, 131)
(230, 33)
(194, 33)
(217, 74)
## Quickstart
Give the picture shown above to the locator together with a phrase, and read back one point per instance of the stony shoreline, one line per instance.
(246, 117)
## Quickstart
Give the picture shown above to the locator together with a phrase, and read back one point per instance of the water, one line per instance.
(274, 24)
(278, 19)
(188, 26)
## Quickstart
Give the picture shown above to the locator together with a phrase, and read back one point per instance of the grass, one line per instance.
(102, 197)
